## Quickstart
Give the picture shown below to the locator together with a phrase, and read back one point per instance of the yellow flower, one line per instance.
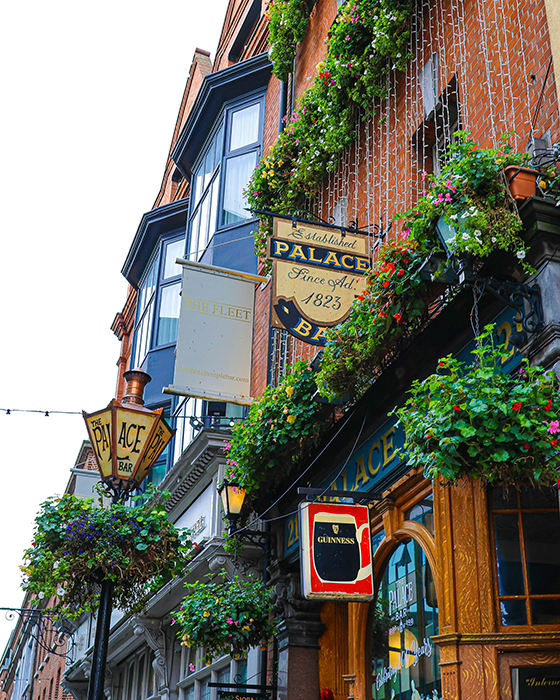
(291, 419)
(206, 614)
(542, 184)
(280, 162)
(320, 66)
(290, 391)
(246, 628)
(271, 173)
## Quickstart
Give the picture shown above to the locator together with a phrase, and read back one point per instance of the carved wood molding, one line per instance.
(500, 639)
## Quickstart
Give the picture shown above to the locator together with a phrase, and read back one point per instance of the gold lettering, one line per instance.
(362, 265)
(320, 333)
(331, 259)
(361, 476)
(303, 328)
(280, 247)
(312, 258)
(346, 265)
(297, 252)
(388, 449)
(373, 471)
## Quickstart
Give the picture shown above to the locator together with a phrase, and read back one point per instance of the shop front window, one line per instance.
(526, 527)
(405, 661)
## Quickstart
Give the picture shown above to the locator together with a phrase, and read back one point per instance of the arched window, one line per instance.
(405, 661)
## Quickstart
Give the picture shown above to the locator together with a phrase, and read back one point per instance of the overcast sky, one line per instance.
(89, 97)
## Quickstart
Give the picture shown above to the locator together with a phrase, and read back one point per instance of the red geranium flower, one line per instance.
(400, 273)
(517, 406)
(456, 408)
(398, 316)
(548, 406)
(385, 283)
(525, 446)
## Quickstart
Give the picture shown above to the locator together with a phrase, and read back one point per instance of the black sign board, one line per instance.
(241, 695)
(536, 682)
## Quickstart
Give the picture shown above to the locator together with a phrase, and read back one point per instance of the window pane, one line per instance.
(219, 139)
(173, 250)
(542, 547)
(140, 683)
(223, 675)
(193, 240)
(510, 571)
(535, 498)
(545, 612)
(189, 693)
(244, 127)
(513, 612)
(212, 223)
(168, 322)
(238, 172)
(205, 689)
(504, 500)
(204, 225)
(241, 671)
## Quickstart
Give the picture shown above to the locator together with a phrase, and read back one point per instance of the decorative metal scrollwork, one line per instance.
(48, 630)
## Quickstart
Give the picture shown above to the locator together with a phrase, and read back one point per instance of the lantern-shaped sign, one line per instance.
(127, 439)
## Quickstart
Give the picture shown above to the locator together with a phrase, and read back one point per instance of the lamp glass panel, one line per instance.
(131, 437)
(236, 497)
(446, 233)
(99, 428)
(157, 444)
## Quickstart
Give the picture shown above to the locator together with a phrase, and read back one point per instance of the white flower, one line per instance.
(494, 239)
(453, 216)
(520, 254)
(60, 591)
(56, 565)
(466, 236)
(472, 209)
(464, 215)
(478, 233)
(40, 595)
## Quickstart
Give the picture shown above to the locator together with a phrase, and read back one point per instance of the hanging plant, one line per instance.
(282, 426)
(477, 421)
(367, 41)
(472, 195)
(288, 20)
(225, 617)
(393, 300)
(77, 544)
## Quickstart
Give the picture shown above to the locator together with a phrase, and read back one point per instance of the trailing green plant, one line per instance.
(77, 544)
(225, 616)
(288, 20)
(394, 298)
(368, 40)
(472, 195)
(281, 427)
(476, 421)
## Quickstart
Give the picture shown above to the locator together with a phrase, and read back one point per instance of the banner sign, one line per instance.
(241, 695)
(317, 273)
(214, 343)
(536, 682)
(335, 551)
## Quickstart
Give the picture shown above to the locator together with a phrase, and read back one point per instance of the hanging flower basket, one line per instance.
(522, 182)
(394, 299)
(477, 421)
(77, 544)
(225, 617)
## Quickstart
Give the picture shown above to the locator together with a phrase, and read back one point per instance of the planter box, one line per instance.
(522, 182)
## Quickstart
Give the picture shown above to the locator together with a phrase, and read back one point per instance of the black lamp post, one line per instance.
(233, 498)
(127, 439)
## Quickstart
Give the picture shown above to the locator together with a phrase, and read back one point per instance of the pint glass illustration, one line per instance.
(336, 547)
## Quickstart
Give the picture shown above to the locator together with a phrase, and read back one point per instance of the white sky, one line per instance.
(89, 97)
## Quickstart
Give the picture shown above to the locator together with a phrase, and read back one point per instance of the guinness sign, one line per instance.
(335, 549)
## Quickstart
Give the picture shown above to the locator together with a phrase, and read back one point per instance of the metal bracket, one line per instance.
(524, 299)
(311, 493)
(42, 626)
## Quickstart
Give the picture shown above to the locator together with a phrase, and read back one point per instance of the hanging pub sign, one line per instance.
(335, 551)
(215, 338)
(317, 273)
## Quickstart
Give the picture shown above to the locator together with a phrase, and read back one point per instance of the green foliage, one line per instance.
(477, 421)
(366, 42)
(288, 20)
(472, 195)
(282, 425)
(225, 617)
(394, 298)
(77, 543)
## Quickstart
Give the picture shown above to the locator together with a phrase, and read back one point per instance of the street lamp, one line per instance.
(233, 497)
(127, 439)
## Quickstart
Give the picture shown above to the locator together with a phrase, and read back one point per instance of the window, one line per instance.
(405, 662)
(527, 547)
(159, 301)
(222, 172)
